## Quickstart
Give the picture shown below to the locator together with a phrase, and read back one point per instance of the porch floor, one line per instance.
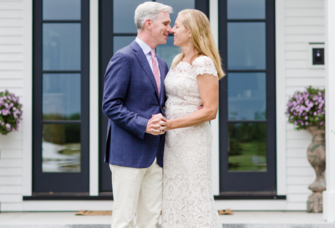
(238, 220)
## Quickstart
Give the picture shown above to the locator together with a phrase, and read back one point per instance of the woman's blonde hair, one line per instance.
(197, 23)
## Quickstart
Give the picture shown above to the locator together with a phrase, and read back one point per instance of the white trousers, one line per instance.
(136, 191)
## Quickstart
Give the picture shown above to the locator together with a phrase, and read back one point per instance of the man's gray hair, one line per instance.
(149, 10)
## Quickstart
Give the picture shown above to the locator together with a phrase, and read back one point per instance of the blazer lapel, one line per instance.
(162, 72)
(145, 65)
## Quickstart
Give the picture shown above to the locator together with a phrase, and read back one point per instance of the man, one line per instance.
(133, 94)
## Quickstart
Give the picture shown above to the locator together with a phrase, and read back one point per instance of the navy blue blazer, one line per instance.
(130, 99)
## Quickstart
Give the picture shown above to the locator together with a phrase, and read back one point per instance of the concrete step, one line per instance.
(238, 220)
(223, 226)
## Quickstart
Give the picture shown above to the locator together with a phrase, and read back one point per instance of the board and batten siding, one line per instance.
(12, 78)
(304, 23)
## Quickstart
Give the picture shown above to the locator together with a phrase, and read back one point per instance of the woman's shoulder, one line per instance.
(204, 65)
(176, 58)
(202, 60)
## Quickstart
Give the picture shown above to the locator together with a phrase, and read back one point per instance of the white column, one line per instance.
(94, 99)
(213, 14)
(329, 194)
(27, 98)
(280, 98)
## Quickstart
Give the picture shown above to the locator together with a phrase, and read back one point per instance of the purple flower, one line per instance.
(306, 117)
(295, 123)
(306, 123)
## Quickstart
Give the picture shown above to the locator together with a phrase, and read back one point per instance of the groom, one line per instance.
(133, 93)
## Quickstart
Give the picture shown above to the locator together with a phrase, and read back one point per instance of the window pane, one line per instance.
(61, 10)
(247, 96)
(61, 97)
(61, 46)
(61, 148)
(247, 147)
(246, 9)
(246, 45)
(177, 6)
(124, 12)
(168, 51)
(121, 42)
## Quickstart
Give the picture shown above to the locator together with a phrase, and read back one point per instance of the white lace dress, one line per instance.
(187, 194)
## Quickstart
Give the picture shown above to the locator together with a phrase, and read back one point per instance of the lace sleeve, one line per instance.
(204, 65)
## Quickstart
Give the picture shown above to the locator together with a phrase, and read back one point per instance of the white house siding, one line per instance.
(304, 23)
(11, 78)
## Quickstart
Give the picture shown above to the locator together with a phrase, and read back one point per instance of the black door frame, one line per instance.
(249, 184)
(106, 35)
(60, 182)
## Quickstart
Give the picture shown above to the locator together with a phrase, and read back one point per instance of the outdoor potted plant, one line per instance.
(306, 110)
(10, 112)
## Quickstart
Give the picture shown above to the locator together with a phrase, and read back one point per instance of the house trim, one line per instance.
(280, 97)
(213, 15)
(94, 100)
(27, 98)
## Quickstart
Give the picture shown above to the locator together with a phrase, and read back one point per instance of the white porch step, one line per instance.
(223, 226)
(238, 220)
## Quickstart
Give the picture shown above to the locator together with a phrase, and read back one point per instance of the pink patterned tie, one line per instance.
(155, 70)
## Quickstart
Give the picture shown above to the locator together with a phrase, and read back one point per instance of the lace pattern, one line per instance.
(187, 195)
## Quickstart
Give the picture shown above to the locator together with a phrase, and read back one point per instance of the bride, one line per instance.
(191, 82)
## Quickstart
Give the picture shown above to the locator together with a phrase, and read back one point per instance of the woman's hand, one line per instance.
(163, 122)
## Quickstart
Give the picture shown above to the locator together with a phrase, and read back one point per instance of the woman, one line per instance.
(191, 82)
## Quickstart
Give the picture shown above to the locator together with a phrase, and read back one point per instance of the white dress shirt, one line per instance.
(146, 50)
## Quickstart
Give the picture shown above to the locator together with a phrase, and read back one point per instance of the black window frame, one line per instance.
(106, 51)
(59, 182)
(248, 185)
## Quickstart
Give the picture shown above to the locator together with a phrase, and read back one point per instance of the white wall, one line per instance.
(12, 68)
(304, 23)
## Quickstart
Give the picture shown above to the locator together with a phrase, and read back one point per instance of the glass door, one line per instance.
(247, 98)
(117, 31)
(61, 62)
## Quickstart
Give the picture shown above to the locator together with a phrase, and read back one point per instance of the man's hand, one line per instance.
(156, 125)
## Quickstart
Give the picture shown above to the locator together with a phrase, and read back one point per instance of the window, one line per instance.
(247, 98)
(60, 96)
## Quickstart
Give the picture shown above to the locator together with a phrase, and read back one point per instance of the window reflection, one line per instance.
(247, 96)
(61, 96)
(247, 147)
(61, 10)
(246, 9)
(61, 46)
(121, 42)
(61, 148)
(167, 51)
(177, 6)
(246, 45)
(124, 11)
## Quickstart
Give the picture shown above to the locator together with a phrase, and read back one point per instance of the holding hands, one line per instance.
(156, 125)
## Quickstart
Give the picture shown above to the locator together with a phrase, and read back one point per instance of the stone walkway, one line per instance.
(238, 220)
